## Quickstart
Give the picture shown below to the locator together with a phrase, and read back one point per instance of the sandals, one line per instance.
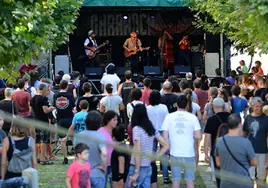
(46, 163)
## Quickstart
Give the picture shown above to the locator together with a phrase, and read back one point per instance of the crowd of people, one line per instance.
(227, 117)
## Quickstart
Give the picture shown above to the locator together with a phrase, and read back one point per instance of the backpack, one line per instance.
(20, 160)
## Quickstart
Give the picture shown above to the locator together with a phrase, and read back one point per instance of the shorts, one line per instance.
(65, 123)
(42, 136)
(182, 163)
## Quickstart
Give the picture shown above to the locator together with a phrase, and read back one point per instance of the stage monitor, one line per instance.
(182, 69)
(93, 71)
(120, 71)
(150, 70)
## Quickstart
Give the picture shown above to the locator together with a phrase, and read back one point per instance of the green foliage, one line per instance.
(30, 27)
(243, 21)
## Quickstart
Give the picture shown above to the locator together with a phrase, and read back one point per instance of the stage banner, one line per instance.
(137, 3)
(145, 23)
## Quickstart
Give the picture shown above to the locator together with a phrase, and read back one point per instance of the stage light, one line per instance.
(152, 17)
(125, 17)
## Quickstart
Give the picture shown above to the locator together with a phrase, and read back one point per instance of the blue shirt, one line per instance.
(79, 121)
(239, 105)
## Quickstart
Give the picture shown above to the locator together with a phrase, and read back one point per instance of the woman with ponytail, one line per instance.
(192, 107)
(208, 112)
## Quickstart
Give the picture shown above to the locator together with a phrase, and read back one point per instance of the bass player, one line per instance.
(133, 44)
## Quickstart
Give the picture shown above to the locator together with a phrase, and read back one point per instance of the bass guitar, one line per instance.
(134, 51)
(91, 54)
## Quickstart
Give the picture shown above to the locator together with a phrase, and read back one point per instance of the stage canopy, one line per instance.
(136, 3)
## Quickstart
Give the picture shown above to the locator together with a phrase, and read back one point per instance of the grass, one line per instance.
(53, 176)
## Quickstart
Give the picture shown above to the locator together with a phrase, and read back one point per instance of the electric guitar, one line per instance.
(134, 51)
(91, 54)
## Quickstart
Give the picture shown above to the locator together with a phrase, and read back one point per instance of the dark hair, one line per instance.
(155, 98)
(255, 69)
(233, 74)
(183, 84)
(80, 90)
(198, 73)
(136, 94)
(172, 78)
(175, 86)
(236, 90)
(197, 84)
(111, 69)
(87, 87)
(225, 94)
(107, 116)
(182, 102)
(119, 133)
(109, 88)
(165, 75)
(93, 120)
(223, 130)
(128, 75)
(79, 148)
(21, 83)
(258, 63)
(57, 79)
(74, 75)
(83, 104)
(141, 78)
(140, 118)
(233, 121)
(61, 73)
(147, 82)
(218, 72)
(63, 84)
(188, 93)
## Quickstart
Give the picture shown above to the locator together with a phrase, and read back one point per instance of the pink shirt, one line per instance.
(145, 96)
(109, 139)
(79, 174)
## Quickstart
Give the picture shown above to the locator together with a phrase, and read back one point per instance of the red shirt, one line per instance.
(22, 99)
(202, 98)
(79, 174)
(260, 71)
(185, 45)
(145, 96)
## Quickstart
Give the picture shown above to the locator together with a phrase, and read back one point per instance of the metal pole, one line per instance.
(222, 64)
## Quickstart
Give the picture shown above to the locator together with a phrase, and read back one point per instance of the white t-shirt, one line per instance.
(110, 79)
(130, 108)
(111, 103)
(181, 126)
(195, 108)
(86, 43)
(157, 115)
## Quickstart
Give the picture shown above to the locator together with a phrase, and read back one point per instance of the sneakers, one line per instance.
(65, 161)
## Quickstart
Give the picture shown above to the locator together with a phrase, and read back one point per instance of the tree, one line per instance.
(30, 27)
(244, 22)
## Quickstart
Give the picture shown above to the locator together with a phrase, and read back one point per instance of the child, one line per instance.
(146, 91)
(78, 173)
(2, 136)
(119, 160)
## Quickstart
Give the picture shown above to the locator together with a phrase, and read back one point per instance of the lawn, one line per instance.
(53, 176)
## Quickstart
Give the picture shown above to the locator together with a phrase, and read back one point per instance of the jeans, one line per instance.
(163, 163)
(97, 182)
(144, 178)
(108, 176)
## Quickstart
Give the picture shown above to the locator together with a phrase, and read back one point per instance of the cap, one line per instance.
(189, 75)
(90, 32)
(218, 103)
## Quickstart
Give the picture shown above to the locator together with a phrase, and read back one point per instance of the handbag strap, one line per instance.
(228, 149)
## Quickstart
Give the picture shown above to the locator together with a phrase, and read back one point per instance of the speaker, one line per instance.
(121, 70)
(182, 69)
(150, 70)
(93, 71)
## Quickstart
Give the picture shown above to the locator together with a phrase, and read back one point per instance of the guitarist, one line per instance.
(133, 44)
(90, 45)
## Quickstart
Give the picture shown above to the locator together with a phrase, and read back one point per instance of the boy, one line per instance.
(79, 171)
(119, 160)
(78, 123)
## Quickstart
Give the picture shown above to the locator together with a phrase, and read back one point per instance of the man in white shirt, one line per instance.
(110, 77)
(181, 129)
